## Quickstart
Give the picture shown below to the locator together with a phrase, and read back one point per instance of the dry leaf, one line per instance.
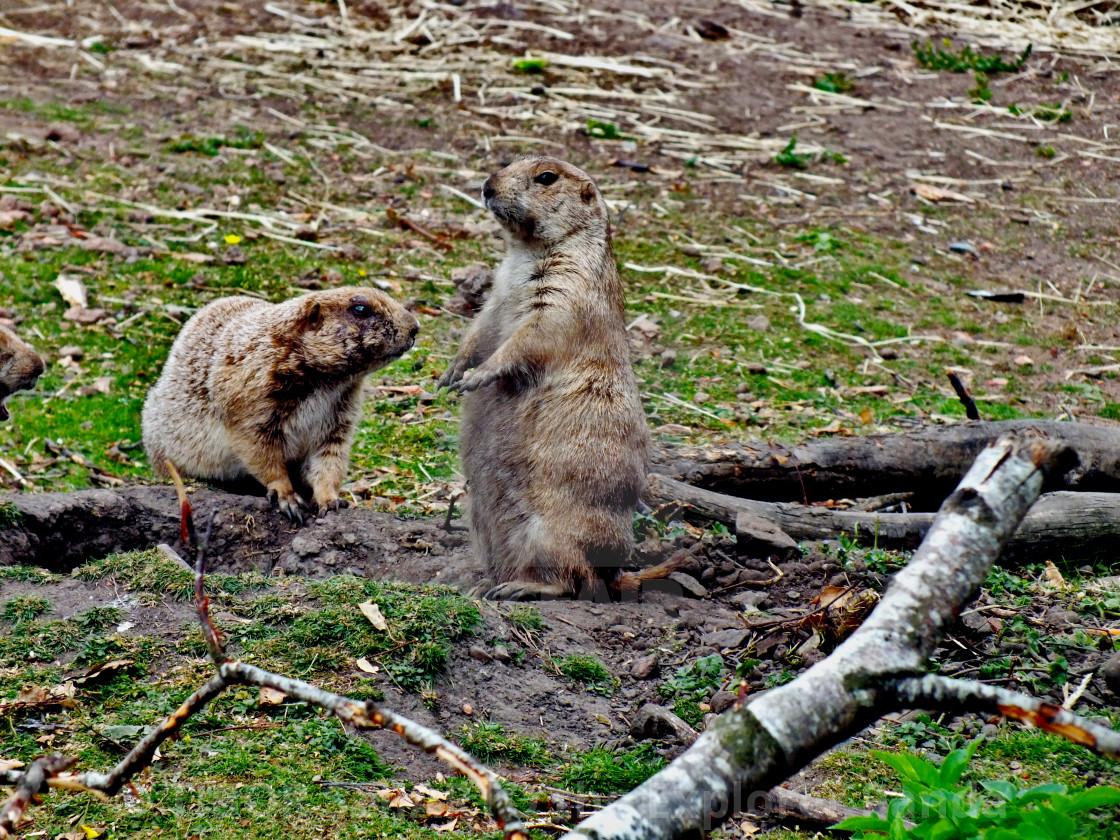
(72, 289)
(271, 696)
(446, 826)
(103, 671)
(748, 828)
(1053, 576)
(432, 793)
(373, 612)
(402, 800)
(365, 665)
(436, 809)
(931, 193)
(7, 764)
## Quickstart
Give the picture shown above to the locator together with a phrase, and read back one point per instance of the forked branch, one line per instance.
(879, 669)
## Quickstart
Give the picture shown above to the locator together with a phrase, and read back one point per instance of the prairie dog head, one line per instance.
(351, 330)
(20, 367)
(543, 200)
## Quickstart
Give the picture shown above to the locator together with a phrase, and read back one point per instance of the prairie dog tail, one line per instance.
(629, 581)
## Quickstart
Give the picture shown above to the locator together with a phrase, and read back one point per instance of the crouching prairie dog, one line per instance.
(20, 367)
(554, 441)
(255, 389)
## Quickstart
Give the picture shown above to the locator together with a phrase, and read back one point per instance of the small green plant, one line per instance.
(835, 83)
(526, 618)
(1002, 582)
(211, 146)
(490, 742)
(530, 65)
(691, 684)
(980, 93)
(588, 671)
(923, 732)
(24, 608)
(1047, 152)
(28, 574)
(790, 159)
(604, 131)
(601, 770)
(10, 515)
(942, 58)
(96, 619)
(939, 806)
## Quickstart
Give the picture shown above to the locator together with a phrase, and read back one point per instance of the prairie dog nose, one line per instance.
(488, 190)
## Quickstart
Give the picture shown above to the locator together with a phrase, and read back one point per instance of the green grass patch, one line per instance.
(491, 743)
(605, 771)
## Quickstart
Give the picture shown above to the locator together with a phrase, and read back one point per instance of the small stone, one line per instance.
(305, 546)
(1110, 673)
(712, 265)
(668, 358)
(721, 701)
(72, 351)
(654, 721)
(468, 709)
(756, 368)
(749, 601)
(759, 323)
(793, 595)
(755, 536)
(645, 667)
(234, 255)
(479, 653)
(733, 638)
(1023, 360)
(689, 585)
(962, 248)
(700, 397)
(989, 731)
(501, 653)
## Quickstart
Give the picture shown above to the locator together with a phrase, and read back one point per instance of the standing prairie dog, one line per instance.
(554, 440)
(255, 389)
(20, 367)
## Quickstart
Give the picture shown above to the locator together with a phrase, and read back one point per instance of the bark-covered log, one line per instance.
(1086, 524)
(757, 743)
(928, 462)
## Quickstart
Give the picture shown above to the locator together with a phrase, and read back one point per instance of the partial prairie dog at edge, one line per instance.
(20, 367)
(554, 441)
(273, 391)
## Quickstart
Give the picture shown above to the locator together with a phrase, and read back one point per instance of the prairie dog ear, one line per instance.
(312, 315)
(587, 192)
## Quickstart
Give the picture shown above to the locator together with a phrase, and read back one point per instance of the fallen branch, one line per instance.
(361, 714)
(877, 670)
(1087, 523)
(928, 462)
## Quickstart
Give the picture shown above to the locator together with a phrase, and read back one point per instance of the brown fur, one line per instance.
(554, 439)
(20, 367)
(253, 389)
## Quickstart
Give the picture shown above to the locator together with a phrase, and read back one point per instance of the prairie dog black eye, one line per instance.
(361, 310)
(546, 178)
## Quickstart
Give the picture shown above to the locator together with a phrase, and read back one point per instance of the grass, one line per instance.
(492, 744)
(588, 672)
(605, 771)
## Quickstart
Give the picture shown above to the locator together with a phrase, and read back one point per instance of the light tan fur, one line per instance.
(553, 437)
(271, 391)
(20, 367)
